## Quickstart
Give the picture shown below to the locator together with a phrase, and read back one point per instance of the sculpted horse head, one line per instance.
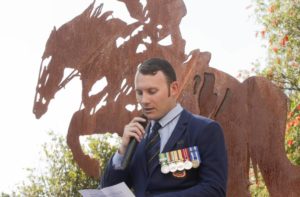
(71, 46)
(58, 56)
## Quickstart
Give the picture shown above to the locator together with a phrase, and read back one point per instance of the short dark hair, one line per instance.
(153, 65)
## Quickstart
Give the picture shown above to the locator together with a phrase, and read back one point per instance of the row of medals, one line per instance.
(179, 160)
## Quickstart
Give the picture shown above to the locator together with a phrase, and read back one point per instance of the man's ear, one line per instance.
(174, 88)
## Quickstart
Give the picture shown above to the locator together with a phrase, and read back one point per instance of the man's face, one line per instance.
(155, 95)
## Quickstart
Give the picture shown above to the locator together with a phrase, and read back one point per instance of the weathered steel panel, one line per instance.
(252, 113)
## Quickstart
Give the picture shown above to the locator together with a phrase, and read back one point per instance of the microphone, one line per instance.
(131, 147)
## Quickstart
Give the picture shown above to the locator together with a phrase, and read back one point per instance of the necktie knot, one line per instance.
(156, 127)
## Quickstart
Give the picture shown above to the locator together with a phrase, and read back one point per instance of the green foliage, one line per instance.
(280, 20)
(257, 185)
(292, 144)
(60, 175)
(7, 195)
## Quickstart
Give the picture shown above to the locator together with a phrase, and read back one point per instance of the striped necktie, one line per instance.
(153, 146)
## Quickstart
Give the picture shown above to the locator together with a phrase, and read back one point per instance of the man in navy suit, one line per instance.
(191, 158)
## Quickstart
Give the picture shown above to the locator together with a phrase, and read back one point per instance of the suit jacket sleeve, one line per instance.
(213, 170)
(114, 176)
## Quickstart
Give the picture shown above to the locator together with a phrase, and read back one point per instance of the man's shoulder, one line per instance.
(196, 118)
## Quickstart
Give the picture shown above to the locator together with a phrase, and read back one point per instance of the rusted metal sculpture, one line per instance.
(252, 113)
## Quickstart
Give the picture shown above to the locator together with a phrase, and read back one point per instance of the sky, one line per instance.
(223, 28)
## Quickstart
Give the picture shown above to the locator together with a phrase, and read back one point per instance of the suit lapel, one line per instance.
(178, 132)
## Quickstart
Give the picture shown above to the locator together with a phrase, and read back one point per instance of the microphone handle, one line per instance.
(129, 153)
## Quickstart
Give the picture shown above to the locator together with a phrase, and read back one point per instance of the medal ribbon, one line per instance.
(196, 150)
(180, 156)
(186, 155)
(174, 156)
(169, 157)
(192, 153)
(163, 158)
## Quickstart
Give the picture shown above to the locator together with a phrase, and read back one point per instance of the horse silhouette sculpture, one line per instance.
(99, 47)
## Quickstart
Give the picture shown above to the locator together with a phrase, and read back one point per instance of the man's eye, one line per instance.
(152, 91)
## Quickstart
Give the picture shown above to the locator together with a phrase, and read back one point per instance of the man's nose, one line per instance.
(144, 99)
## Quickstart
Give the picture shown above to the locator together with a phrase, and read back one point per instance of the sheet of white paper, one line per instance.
(91, 193)
(118, 190)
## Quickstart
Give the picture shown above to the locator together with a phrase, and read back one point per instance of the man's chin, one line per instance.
(152, 116)
(149, 116)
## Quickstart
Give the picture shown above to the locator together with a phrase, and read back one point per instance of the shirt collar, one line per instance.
(171, 115)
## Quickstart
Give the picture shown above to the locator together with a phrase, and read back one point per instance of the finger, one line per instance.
(135, 135)
(137, 130)
(133, 128)
(138, 119)
(139, 127)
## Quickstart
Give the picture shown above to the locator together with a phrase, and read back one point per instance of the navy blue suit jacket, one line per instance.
(208, 180)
